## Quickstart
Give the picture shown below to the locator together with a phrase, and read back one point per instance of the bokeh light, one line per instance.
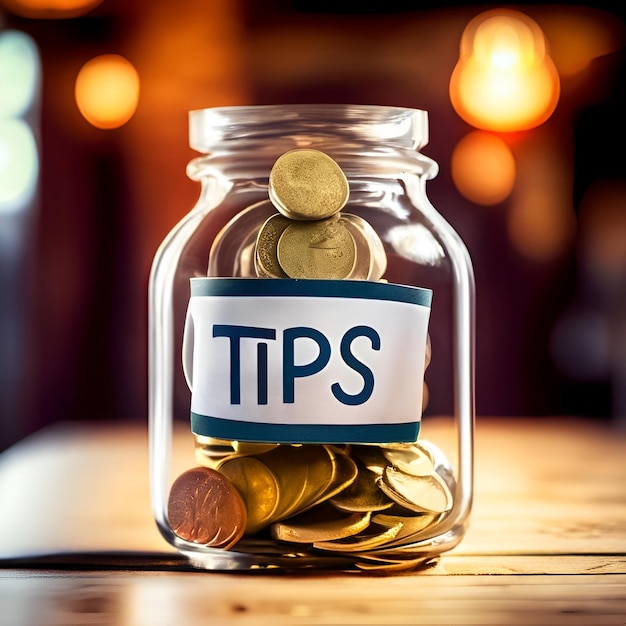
(588, 343)
(50, 9)
(19, 164)
(19, 73)
(603, 231)
(107, 91)
(540, 220)
(580, 35)
(483, 168)
(504, 79)
(19, 94)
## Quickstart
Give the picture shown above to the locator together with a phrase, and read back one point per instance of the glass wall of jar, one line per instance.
(268, 500)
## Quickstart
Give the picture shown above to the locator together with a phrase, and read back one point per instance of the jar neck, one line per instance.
(251, 138)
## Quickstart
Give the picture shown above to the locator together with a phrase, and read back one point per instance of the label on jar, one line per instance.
(306, 361)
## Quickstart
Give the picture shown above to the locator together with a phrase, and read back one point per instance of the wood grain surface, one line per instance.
(546, 543)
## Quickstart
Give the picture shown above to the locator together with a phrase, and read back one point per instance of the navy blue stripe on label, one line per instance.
(254, 287)
(235, 430)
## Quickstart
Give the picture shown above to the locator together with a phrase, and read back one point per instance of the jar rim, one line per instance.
(401, 126)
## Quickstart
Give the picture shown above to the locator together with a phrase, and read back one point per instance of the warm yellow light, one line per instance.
(50, 8)
(504, 79)
(107, 91)
(483, 168)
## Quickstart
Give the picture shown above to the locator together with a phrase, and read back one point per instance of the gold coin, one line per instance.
(205, 440)
(248, 447)
(323, 249)
(442, 465)
(303, 474)
(321, 472)
(322, 523)
(212, 452)
(372, 458)
(327, 477)
(258, 488)
(307, 475)
(374, 536)
(413, 527)
(266, 261)
(204, 507)
(411, 459)
(362, 231)
(422, 494)
(362, 494)
(344, 473)
(213, 455)
(363, 253)
(306, 184)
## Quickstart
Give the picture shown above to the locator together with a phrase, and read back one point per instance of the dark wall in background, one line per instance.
(87, 354)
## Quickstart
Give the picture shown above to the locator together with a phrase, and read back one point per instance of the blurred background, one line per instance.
(94, 96)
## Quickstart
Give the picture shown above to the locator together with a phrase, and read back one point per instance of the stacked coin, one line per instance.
(309, 236)
(301, 230)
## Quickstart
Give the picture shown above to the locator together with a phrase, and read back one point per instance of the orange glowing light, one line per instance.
(483, 168)
(107, 91)
(50, 8)
(540, 220)
(580, 35)
(504, 80)
(539, 228)
(603, 229)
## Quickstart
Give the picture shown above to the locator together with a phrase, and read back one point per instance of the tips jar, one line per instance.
(311, 325)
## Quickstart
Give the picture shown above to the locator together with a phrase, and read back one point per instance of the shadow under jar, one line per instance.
(312, 347)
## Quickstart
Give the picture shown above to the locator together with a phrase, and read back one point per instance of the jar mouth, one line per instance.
(400, 127)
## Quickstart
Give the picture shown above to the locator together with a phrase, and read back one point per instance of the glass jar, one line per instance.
(306, 391)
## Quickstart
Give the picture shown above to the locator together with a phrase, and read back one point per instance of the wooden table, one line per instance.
(546, 545)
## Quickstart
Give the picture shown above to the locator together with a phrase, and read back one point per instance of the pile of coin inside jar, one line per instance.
(367, 503)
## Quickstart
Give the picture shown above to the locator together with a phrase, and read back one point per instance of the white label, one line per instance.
(306, 360)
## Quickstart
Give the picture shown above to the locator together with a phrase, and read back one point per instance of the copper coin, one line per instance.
(204, 507)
